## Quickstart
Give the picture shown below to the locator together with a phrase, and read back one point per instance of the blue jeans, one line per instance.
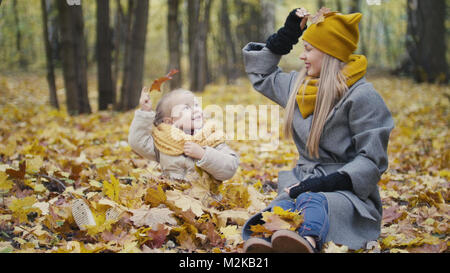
(314, 208)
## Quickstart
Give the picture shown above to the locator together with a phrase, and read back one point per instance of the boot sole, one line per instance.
(286, 241)
(257, 245)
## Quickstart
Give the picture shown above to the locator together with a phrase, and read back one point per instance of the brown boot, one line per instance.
(287, 241)
(257, 245)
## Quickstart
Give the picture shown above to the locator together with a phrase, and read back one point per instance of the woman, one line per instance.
(341, 128)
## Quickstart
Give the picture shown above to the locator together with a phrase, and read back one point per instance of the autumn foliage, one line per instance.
(49, 158)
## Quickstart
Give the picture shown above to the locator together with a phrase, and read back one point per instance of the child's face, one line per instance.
(187, 114)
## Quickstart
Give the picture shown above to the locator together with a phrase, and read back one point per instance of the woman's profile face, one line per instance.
(313, 60)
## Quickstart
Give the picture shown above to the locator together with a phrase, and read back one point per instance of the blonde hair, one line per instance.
(331, 87)
(165, 105)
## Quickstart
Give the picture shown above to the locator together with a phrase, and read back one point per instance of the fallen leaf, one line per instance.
(152, 217)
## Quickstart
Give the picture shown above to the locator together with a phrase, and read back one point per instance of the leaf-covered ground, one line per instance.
(48, 159)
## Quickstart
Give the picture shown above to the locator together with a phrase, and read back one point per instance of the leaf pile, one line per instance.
(48, 159)
(275, 220)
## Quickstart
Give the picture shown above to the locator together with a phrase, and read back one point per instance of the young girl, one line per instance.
(176, 136)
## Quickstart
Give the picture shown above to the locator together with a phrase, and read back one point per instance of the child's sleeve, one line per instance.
(221, 162)
(140, 134)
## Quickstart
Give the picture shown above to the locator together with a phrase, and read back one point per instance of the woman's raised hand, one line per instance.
(283, 41)
(304, 14)
(145, 102)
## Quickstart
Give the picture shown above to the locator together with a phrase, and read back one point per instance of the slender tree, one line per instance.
(22, 60)
(227, 47)
(174, 42)
(134, 54)
(48, 54)
(198, 28)
(355, 6)
(74, 57)
(426, 41)
(106, 92)
(338, 5)
(119, 39)
(321, 3)
(268, 16)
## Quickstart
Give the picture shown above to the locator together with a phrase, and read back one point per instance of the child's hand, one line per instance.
(194, 150)
(145, 101)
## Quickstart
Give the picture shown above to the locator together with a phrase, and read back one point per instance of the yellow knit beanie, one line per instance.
(336, 35)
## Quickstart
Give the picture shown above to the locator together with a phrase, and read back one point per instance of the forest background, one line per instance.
(70, 80)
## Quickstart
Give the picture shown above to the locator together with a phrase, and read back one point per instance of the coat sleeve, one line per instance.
(140, 137)
(221, 162)
(370, 123)
(261, 66)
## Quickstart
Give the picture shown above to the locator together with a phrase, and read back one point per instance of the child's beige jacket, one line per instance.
(221, 161)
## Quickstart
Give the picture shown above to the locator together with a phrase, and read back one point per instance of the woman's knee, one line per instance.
(285, 205)
(311, 198)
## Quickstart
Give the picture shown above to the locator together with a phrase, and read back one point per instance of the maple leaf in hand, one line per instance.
(320, 16)
(158, 82)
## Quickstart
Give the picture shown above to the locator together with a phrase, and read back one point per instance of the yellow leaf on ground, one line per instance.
(22, 207)
(185, 202)
(5, 184)
(112, 189)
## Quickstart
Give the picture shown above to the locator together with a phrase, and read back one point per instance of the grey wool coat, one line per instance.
(354, 141)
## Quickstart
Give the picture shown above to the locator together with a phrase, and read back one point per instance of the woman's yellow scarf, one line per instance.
(354, 71)
(170, 140)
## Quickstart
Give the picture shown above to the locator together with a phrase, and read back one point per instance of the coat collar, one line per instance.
(344, 98)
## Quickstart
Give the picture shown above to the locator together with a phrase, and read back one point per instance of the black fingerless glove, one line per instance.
(282, 42)
(329, 183)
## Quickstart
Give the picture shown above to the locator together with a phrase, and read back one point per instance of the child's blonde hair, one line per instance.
(165, 105)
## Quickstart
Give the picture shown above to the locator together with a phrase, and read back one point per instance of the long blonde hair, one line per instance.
(331, 87)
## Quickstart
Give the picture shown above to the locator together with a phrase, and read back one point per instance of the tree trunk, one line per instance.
(74, 58)
(355, 6)
(106, 92)
(391, 58)
(48, 54)
(268, 16)
(425, 43)
(366, 35)
(134, 55)
(174, 35)
(120, 34)
(227, 45)
(198, 28)
(22, 60)
(193, 14)
(321, 3)
(338, 5)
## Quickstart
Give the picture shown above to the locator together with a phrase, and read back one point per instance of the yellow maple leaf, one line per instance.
(34, 164)
(260, 230)
(5, 184)
(229, 231)
(155, 196)
(235, 195)
(22, 207)
(112, 189)
(100, 227)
